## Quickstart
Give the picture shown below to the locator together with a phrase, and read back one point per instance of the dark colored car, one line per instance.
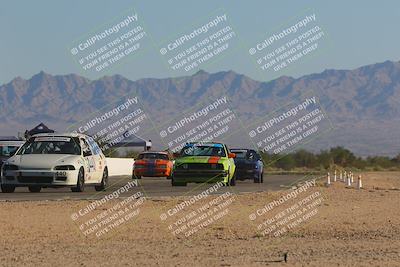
(248, 165)
(8, 147)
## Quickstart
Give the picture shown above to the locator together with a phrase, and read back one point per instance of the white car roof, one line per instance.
(62, 134)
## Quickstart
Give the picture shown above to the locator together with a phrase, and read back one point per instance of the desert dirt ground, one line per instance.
(348, 227)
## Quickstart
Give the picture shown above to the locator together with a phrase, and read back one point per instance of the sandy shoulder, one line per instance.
(351, 228)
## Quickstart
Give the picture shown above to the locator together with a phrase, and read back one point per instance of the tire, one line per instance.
(232, 182)
(170, 176)
(104, 182)
(259, 179)
(136, 176)
(5, 188)
(80, 184)
(174, 183)
(34, 188)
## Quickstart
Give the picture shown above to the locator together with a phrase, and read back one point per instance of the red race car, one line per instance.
(153, 164)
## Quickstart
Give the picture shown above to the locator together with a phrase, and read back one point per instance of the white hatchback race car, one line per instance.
(56, 160)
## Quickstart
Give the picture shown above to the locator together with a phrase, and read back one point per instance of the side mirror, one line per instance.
(231, 155)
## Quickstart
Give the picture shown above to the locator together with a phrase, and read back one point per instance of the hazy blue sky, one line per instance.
(36, 35)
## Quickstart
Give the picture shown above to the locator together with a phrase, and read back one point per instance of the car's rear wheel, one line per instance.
(5, 188)
(34, 188)
(80, 184)
(104, 182)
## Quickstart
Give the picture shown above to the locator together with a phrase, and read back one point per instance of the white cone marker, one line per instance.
(341, 176)
(334, 177)
(352, 177)
(328, 178)
(348, 180)
(345, 177)
(359, 182)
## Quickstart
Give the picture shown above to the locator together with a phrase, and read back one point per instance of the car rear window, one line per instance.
(153, 156)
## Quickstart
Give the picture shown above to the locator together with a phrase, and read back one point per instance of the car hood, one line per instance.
(42, 161)
(200, 159)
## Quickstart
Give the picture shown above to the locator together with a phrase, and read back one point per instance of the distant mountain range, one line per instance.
(363, 104)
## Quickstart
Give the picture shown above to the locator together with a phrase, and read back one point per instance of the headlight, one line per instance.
(64, 168)
(10, 167)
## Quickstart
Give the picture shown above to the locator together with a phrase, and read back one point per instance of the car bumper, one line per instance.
(247, 174)
(200, 176)
(154, 172)
(41, 177)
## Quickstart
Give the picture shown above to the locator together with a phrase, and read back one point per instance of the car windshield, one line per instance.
(203, 150)
(153, 156)
(51, 145)
(7, 151)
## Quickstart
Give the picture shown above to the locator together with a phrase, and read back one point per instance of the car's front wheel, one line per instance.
(134, 176)
(104, 181)
(5, 188)
(34, 189)
(260, 178)
(169, 177)
(232, 182)
(175, 183)
(80, 184)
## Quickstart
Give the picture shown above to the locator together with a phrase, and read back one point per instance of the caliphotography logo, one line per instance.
(212, 133)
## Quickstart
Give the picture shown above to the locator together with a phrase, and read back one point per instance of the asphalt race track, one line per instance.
(152, 187)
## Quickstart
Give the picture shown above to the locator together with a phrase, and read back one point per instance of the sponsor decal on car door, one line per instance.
(97, 160)
(89, 164)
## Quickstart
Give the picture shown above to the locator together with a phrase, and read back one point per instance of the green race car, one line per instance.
(204, 163)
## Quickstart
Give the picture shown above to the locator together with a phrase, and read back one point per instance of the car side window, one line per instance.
(94, 147)
(85, 148)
